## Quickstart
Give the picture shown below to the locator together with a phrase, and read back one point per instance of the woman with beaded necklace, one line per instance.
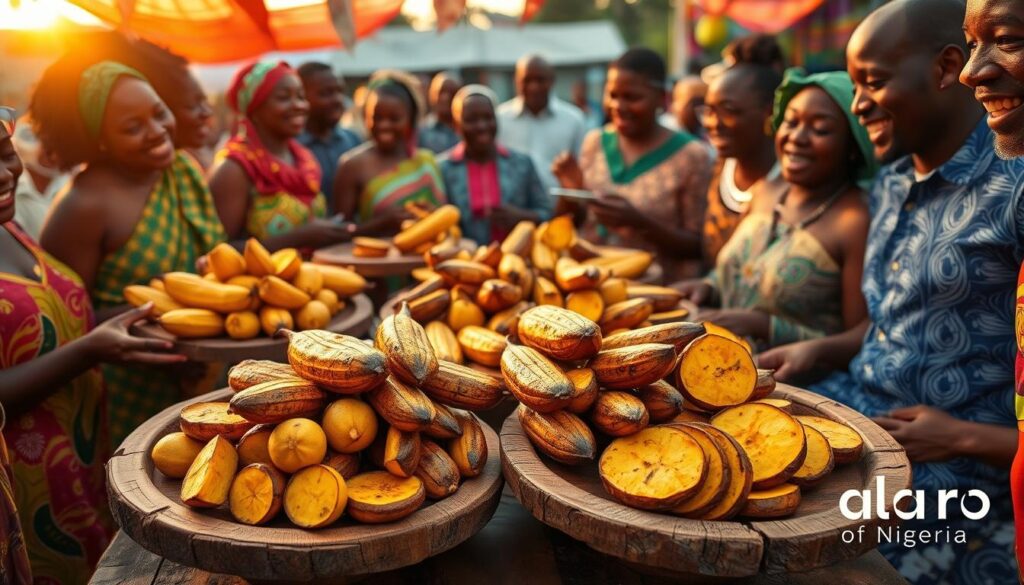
(792, 269)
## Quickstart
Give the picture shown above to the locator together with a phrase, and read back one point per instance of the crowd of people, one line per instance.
(864, 229)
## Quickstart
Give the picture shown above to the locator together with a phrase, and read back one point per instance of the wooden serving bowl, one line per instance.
(394, 264)
(573, 500)
(147, 507)
(353, 320)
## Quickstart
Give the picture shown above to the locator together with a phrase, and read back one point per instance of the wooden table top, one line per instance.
(512, 548)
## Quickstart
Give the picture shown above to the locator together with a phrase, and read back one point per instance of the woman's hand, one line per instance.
(386, 222)
(791, 361)
(927, 433)
(324, 232)
(742, 322)
(567, 170)
(110, 342)
(616, 211)
(696, 290)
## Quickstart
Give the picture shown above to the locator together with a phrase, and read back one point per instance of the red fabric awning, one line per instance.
(211, 31)
(765, 16)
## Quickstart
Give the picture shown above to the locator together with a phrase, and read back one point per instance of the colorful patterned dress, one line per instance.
(57, 450)
(794, 280)
(283, 197)
(416, 179)
(1017, 471)
(669, 183)
(178, 224)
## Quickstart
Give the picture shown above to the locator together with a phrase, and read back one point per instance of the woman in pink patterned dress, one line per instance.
(52, 391)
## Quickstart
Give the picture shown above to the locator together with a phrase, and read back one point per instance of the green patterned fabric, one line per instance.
(794, 280)
(178, 224)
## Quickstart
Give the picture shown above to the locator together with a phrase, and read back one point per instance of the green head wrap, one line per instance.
(839, 87)
(94, 91)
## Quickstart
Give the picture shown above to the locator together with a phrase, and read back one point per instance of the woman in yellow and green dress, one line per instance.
(54, 520)
(137, 210)
(375, 180)
(266, 184)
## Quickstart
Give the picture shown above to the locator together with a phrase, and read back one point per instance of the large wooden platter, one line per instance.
(573, 500)
(146, 506)
(353, 320)
(394, 264)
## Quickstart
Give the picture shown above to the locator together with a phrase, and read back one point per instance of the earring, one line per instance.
(768, 127)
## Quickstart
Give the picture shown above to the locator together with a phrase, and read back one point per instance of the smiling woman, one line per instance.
(138, 208)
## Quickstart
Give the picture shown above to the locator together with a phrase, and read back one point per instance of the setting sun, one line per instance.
(41, 14)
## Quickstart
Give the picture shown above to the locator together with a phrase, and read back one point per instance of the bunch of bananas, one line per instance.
(244, 294)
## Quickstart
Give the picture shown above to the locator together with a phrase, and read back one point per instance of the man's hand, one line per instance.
(927, 433)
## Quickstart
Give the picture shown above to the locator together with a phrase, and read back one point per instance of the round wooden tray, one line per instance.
(573, 500)
(394, 264)
(147, 507)
(353, 320)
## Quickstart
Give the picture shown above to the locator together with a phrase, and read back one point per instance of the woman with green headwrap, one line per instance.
(792, 270)
(137, 210)
(375, 180)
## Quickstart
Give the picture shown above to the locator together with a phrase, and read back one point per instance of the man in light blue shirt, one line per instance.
(538, 123)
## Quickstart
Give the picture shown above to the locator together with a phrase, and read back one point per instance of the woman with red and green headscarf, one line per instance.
(267, 185)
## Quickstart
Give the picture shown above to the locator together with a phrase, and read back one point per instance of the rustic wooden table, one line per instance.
(512, 548)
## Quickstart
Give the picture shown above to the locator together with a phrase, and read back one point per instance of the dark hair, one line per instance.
(166, 71)
(642, 61)
(399, 91)
(760, 57)
(56, 119)
(308, 70)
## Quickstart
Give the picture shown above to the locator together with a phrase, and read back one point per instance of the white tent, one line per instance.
(564, 45)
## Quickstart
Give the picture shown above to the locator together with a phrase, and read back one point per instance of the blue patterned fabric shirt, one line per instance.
(940, 280)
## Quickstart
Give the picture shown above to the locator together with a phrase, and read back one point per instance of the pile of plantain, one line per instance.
(418, 235)
(470, 302)
(245, 294)
(344, 427)
(686, 418)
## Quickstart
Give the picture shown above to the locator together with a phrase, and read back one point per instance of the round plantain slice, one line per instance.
(741, 475)
(256, 494)
(780, 403)
(315, 496)
(776, 502)
(774, 441)
(654, 469)
(378, 496)
(715, 485)
(715, 373)
(847, 444)
(819, 461)
(203, 421)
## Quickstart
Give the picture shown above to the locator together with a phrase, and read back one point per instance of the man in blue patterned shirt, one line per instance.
(935, 360)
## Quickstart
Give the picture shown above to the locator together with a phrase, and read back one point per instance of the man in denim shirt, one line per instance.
(323, 136)
(935, 361)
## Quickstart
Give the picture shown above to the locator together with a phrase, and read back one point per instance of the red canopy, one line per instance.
(210, 31)
(765, 16)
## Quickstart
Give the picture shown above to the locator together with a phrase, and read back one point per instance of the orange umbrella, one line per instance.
(764, 16)
(211, 31)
